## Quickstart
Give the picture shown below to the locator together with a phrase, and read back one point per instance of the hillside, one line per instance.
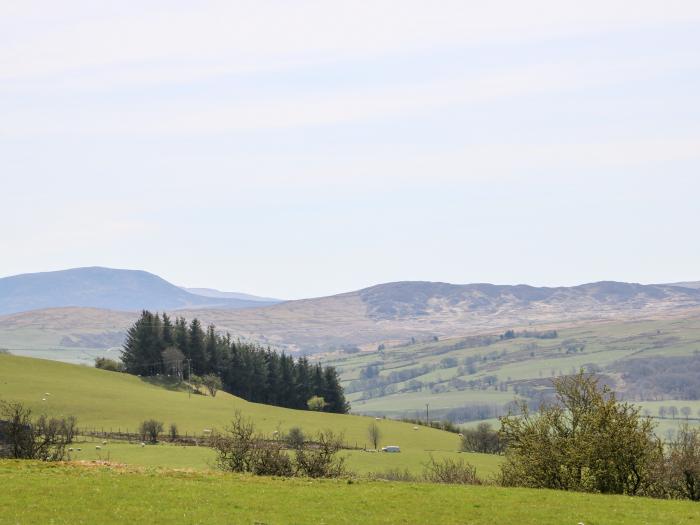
(389, 313)
(475, 377)
(95, 287)
(111, 400)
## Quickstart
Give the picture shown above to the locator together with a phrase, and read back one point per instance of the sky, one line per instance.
(306, 148)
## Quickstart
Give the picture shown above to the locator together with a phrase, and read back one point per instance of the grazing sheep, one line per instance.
(460, 435)
(98, 447)
(43, 399)
(104, 442)
(143, 444)
(70, 449)
(378, 418)
(415, 428)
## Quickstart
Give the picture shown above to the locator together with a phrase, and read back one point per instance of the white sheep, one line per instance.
(378, 418)
(415, 428)
(104, 442)
(70, 449)
(143, 444)
(98, 447)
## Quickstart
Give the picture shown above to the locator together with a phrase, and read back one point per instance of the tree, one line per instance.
(212, 382)
(673, 411)
(44, 439)
(587, 441)
(482, 439)
(173, 360)
(316, 403)
(683, 464)
(196, 382)
(686, 411)
(374, 434)
(662, 412)
(150, 430)
(196, 347)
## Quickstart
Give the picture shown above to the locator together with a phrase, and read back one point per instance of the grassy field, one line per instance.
(202, 458)
(111, 401)
(69, 494)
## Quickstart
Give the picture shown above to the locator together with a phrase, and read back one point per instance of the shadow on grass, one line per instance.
(169, 383)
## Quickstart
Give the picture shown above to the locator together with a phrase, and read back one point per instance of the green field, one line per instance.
(515, 362)
(112, 401)
(33, 492)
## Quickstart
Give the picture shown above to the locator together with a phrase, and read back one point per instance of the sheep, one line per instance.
(378, 418)
(80, 450)
(460, 435)
(415, 428)
(104, 442)
(98, 447)
(143, 444)
(43, 399)
(70, 449)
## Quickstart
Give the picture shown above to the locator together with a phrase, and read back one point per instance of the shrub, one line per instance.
(212, 382)
(450, 470)
(109, 364)
(482, 439)
(316, 403)
(683, 464)
(173, 431)
(320, 460)
(295, 438)
(43, 439)
(240, 449)
(150, 430)
(586, 441)
(394, 474)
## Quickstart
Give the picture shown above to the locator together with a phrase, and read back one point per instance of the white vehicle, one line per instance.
(391, 448)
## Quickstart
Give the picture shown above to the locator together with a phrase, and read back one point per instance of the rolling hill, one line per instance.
(392, 313)
(96, 287)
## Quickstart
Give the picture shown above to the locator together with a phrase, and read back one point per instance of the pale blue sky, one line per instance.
(298, 149)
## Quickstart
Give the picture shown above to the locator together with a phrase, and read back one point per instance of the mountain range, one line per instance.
(91, 308)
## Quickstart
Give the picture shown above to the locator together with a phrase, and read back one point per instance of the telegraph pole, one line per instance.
(189, 378)
(427, 414)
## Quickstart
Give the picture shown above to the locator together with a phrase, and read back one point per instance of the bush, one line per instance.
(240, 449)
(450, 470)
(394, 474)
(320, 460)
(173, 432)
(43, 439)
(482, 439)
(111, 365)
(683, 464)
(295, 438)
(212, 382)
(316, 403)
(587, 441)
(150, 430)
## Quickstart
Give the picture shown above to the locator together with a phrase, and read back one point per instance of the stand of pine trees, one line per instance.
(155, 345)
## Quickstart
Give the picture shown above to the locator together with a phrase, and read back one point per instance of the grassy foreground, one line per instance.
(33, 492)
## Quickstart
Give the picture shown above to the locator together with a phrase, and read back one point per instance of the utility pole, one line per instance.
(189, 378)
(427, 414)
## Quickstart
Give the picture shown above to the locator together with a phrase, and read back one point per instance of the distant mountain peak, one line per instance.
(109, 288)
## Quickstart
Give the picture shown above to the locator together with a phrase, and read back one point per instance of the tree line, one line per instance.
(156, 345)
